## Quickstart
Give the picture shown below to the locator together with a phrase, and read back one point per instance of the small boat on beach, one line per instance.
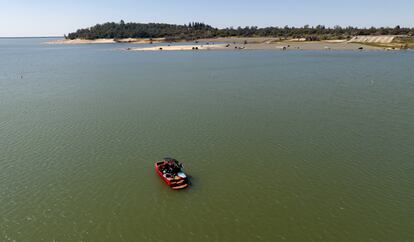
(171, 171)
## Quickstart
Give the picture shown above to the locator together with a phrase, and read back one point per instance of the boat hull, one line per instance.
(175, 182)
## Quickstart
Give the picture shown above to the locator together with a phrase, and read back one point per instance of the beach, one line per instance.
(241, 45)
(227, 44)
(247, 43)
(263, 43)
(180, 47)
(106, 41)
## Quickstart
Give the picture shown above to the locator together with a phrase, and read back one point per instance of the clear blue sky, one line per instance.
(54, 17)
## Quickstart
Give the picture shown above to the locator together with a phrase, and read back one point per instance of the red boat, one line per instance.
(171, 171)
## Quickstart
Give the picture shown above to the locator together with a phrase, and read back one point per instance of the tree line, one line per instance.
(197, 30)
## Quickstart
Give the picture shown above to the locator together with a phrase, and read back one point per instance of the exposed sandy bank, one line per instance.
(262, 43)
(179, 47)
(234, 43)
(81, 41)
(105, 41)
(381, 39)
(262, 46)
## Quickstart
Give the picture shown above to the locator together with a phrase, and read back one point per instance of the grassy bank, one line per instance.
(405, 42)
(397, 43)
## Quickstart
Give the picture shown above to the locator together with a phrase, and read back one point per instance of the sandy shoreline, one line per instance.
(179, 47)
(106, 41)
(260, 46)
(232, 43)
(262, 43)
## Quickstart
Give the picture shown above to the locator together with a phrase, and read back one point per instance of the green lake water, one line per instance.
(281, 146)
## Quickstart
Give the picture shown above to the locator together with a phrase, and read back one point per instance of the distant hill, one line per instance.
(198, 30)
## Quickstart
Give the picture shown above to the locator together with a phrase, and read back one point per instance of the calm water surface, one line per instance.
(295, 146)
